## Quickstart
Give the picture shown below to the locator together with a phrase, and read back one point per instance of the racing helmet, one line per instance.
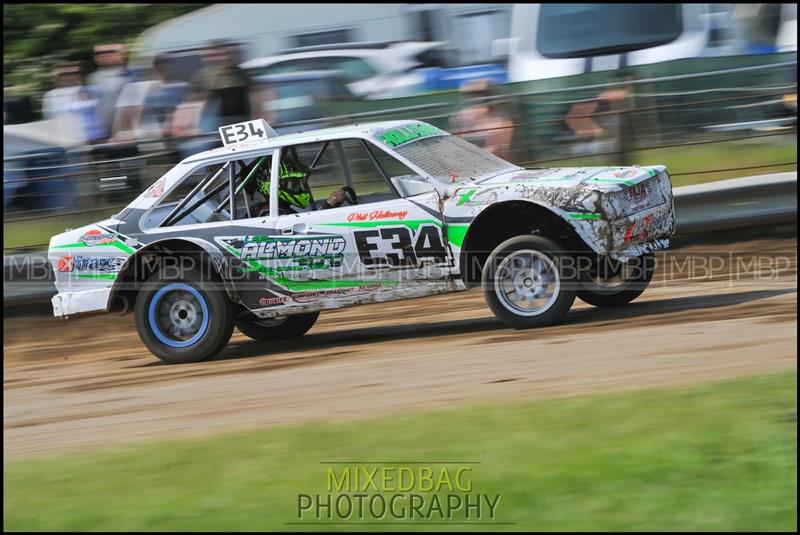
(292, 184)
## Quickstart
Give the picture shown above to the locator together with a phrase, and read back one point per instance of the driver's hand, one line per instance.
(337, 197)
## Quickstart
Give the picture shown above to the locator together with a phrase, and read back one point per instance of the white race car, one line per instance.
(211, 244)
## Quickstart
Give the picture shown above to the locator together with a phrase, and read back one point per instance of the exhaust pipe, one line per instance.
(120, 306)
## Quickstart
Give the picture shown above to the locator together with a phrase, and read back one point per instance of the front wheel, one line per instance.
(619, 283)
(277, 328)
(526, 282)
(183, 319)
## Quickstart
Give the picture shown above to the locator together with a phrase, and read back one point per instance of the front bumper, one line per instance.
(68, 303)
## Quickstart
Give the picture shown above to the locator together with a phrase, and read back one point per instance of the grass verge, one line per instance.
(719, 456)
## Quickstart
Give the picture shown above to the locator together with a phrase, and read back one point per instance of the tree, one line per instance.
(37, 36)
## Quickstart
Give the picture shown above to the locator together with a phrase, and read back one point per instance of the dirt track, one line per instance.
(90, 381)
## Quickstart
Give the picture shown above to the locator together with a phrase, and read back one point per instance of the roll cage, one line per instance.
(240, 173)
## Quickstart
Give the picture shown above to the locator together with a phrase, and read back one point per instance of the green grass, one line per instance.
(720, 456)
(39, 231)
(711, 157)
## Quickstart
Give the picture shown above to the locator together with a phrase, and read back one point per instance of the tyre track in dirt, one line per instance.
(89, 381)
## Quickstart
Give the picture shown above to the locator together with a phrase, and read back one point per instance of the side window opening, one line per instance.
(337, 165)
(182, 205)
(250, 200)
(204, 195)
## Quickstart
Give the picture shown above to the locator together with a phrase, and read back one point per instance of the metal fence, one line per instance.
(771, 200)
(735, 107)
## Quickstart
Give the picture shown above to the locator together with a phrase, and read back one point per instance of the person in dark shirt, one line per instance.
(224, 86)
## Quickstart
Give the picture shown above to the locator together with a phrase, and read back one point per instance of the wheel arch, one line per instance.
(507, 219)
(145, 261)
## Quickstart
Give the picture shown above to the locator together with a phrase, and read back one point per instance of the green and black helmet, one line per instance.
(293, 184)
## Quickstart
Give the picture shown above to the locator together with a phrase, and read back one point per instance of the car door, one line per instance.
(384, 241)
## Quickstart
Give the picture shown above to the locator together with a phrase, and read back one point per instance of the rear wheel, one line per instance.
(526, 282)
(276, 328)
(183, 319)
(618, 283)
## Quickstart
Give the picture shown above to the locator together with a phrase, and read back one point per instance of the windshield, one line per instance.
(579, 30)
(450, 159)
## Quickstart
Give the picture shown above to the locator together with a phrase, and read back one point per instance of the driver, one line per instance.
(294, 194)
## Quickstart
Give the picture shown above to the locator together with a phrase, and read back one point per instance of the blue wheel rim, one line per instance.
(173, 313)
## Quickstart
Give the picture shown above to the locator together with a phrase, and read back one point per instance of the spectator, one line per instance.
(496, 128)
(145, 108)
(223, 85)
(111, 76)
(599, 125)
(219, 94)
(72, 96)
(54, 102)
(164, 97)
(129, 108)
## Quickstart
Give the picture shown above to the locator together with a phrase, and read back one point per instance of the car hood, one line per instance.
(603, 178)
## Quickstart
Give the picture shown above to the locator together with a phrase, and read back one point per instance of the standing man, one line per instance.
(73, 97)
(219, 94)
(483, 122)
(109, 79)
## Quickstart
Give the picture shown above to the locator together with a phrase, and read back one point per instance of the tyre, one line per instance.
(276, 328)
(185, 318)
(620, 284)
(526, 282)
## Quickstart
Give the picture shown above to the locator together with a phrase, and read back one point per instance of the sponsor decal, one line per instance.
(269, 301)
(276, 247)
(404, 134)
(639, 230)
(318, 263)
(304, 297)
(96, 237)
(630, 173)
(465, 197)
(280, 248)
(68, 264)
(156, 190)
(537, 174)
(637, 192)
(469, 199)
(377, 215)
(643, 195)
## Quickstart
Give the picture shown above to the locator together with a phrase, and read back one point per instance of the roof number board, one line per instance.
(235, 134)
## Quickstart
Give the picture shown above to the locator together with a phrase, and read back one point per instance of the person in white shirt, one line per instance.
(109, 79)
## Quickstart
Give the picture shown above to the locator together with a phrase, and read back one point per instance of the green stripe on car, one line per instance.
(583, 215)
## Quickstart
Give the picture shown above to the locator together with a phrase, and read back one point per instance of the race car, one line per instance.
(211, 245)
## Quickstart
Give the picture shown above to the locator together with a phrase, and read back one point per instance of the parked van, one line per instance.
(553, 40)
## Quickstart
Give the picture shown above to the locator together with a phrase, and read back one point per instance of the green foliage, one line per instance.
(38, 36)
